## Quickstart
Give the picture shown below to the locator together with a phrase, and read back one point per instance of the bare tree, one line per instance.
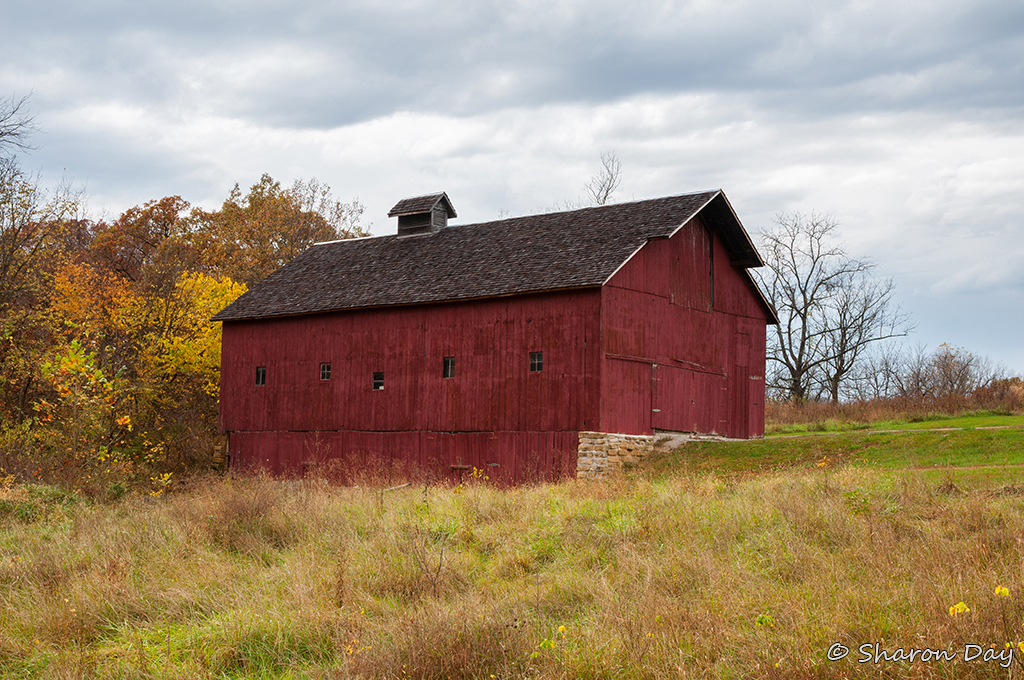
(877, 375)
(16, 124)
(861, 312)
(895, 370)
(830, 307)
(954, 371)
(601, 186)
(948, 371)
(912, 374)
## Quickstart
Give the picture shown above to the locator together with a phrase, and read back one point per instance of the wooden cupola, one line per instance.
(422, 214)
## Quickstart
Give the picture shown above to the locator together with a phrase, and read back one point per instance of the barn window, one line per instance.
(536, 362)
(261, 375)
(378, 381)
(325, 371)
(449, 367)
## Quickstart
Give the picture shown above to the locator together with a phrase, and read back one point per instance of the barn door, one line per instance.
(739, 409)
(685, 400)
(672, 399)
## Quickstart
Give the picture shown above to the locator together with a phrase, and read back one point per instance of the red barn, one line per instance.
(495, 345)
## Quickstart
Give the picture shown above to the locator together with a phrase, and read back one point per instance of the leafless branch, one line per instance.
(601, 186)
(16, 124)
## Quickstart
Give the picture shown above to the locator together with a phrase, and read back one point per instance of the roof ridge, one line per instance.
(348, 240)
(592, 207)
(577, 248)
(520, 217)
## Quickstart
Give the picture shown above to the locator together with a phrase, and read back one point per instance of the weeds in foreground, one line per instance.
(686, 575)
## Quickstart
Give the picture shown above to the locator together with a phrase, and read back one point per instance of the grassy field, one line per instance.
(920, 422)
(719, 560)
(976, 456)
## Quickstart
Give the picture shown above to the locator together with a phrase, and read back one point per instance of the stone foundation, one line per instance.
(601, 454)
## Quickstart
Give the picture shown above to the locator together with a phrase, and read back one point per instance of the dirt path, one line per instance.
(964, 467)
(920, 429)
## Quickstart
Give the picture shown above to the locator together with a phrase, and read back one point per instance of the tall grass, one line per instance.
(680, 576)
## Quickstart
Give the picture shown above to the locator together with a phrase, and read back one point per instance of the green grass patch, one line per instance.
(30, 503)
(920, 422)
(999, 452)
(939, 421)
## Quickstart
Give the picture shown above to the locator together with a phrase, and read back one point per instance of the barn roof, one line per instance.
(554, 251)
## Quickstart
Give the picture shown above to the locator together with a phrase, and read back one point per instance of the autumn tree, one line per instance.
(30, 218)
(259, 232)
(79, 424)
(159, 344)
(140, 303)
(35, 227)
(110, 365)
(132, 245)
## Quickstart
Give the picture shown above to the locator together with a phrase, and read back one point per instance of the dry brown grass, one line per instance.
(687, 576)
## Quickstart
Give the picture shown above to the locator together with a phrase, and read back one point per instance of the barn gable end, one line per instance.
(684, 340)
(493, 346)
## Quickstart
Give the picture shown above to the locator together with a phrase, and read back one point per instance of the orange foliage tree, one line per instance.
(160, 343)
(261, 231)
(111, 364)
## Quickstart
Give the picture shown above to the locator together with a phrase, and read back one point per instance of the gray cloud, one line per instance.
(325, 65)
(901, 119)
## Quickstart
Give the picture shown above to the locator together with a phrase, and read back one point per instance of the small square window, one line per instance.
(378, 381)
(325, 371)
(449, 367)
(536, 362)
(261, 375)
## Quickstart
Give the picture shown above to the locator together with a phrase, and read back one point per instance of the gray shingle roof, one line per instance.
(575, 249)
(422, 204)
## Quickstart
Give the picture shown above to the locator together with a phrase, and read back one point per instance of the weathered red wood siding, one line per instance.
(505, 457)
(494, 414)
(683, 341)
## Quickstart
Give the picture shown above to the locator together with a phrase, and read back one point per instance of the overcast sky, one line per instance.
(904, 120)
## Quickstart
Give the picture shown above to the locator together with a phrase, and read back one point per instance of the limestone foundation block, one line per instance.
(601, 454)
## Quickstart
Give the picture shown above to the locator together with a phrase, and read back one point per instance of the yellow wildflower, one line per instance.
(1002, 591)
